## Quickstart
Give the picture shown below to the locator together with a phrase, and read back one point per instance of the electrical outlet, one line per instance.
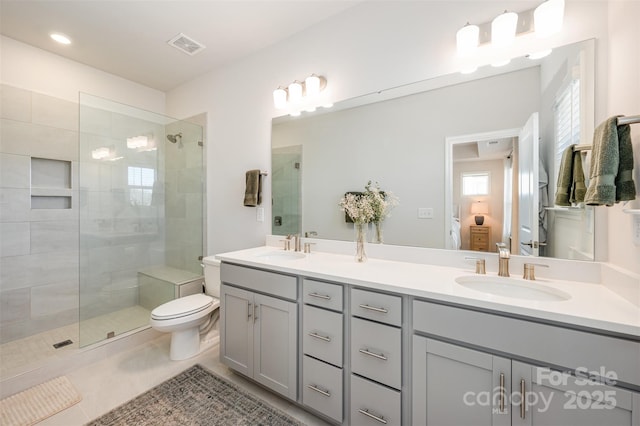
(260, 214)
(425, 213)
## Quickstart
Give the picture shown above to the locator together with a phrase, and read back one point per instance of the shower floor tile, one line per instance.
(29, 353)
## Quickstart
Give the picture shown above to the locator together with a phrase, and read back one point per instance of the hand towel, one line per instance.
(611, 144)
(565, 178)
(578, 188)
(253, 191)
(625, 187)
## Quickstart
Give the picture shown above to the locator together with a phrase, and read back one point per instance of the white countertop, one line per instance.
(591, 305)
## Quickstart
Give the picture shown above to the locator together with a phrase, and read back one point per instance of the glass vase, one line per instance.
(377, 233)
(361, 239)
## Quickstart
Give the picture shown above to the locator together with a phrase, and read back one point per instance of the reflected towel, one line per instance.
(578, 188)
(565, 178)
(611, 172)
(253, 191)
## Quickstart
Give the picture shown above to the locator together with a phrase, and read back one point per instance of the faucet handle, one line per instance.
(480, 264)
(287, 243)
(307, 247)
(503, 251)
(529, 270)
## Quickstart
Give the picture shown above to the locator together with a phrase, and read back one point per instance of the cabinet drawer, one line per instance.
(480, 238)
(376, 352)
(279, 285)
(322, 294)
(373, 404)
(377, 306)
(549, 344)
(322, 387)
(322, 334)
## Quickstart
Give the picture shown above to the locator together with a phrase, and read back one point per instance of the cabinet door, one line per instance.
(556, 398)
(457, 386)
(236, 329)
(275, 344)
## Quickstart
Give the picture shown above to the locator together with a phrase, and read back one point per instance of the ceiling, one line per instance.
(129, 38)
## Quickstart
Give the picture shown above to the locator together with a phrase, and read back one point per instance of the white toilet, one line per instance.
(189, 317)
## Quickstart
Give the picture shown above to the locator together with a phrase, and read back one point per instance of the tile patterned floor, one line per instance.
(34, 351)
(109, 383)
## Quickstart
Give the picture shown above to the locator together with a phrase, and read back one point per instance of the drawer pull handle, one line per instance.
(502, 392)
(373, 354)
(318, 336)
(320, 391)
(373, 308)
(373, 416)
(523, 396)
(320, 296)
(249, 311)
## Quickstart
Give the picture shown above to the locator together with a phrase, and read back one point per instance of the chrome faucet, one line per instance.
(503, 259)
(296, 242)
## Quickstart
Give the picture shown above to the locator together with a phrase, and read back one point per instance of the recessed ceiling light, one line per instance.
(61, 38)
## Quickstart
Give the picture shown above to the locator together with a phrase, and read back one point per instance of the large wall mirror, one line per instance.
(424, 141)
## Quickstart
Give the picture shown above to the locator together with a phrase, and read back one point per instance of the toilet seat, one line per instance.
(182, 307)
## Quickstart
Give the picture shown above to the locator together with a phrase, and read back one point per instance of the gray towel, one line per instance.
(610, 176)
(625, 188)
(565, 178)
(578, 188)
(253, 191)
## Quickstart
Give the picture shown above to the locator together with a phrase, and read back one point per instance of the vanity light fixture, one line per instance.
(302, 96)
(548, 18)
(60, 38)
(494, 42)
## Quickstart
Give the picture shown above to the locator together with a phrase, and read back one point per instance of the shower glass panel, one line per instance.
(141, 214)
(287, 183)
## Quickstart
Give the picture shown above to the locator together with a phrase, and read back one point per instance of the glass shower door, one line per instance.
(141, 222)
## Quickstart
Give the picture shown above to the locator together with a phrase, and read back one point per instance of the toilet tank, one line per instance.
(212, 276)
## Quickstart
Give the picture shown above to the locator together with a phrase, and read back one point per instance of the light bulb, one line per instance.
(60, 38)
(295, 92)
(312, 85)
(467, 39)
(280, 98)
(503, 29)
(548, 18)
(539, 55)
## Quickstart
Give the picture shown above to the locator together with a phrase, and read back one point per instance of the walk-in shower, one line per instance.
(101, 221)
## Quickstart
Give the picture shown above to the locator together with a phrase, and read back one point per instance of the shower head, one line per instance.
(175, 138)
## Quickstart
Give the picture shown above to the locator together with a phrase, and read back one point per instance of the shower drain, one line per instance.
(62, 344)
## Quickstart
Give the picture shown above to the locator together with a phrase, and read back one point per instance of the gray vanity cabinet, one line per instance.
(556, 398)
(457, 386)
(258, 331)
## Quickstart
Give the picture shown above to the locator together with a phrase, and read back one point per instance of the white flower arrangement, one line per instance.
(373, 205)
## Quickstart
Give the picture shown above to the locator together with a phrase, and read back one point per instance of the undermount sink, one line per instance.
(281, 255)
(514, 288)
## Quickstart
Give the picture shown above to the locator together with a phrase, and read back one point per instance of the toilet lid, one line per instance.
(182, 306)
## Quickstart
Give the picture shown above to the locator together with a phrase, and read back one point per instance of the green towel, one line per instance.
(565, 178)
(578, 188)
(253, 190)
(625, 188)
(610, 176)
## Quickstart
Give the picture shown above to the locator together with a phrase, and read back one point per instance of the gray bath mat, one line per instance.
(195, 397)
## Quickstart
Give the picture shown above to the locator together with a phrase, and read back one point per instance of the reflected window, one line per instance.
(475, 183)
(567, 119)
(140, 181)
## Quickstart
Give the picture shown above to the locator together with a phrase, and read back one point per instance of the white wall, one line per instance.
(34, 69)
(624, 98)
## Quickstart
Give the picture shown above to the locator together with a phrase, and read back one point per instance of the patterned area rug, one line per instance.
(195, 397)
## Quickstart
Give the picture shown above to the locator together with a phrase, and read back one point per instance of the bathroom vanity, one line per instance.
(389, 342)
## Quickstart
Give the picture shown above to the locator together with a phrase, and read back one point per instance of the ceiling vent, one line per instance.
(186, 44)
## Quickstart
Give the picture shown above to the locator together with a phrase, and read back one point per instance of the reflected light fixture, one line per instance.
(503, 29)
(548, 18)
(100, 153)
(467, 39)
(60, 38)
(137, 142)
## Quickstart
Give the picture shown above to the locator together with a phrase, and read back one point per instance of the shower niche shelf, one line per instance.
(50, 184)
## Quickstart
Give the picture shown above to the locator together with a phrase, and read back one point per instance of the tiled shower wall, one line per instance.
(38, 247)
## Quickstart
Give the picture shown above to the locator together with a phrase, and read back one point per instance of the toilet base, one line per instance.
(185, 344)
